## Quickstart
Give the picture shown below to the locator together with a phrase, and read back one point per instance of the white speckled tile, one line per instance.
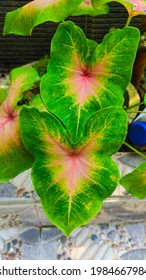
(29, 243)
(100, 242)
(105, 242)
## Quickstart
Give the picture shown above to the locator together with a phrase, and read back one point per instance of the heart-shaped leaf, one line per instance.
(134, 7)
(76, 86)
(86, 8)
(135, 182)
(13, 156)
(23, 20)
(72, 180)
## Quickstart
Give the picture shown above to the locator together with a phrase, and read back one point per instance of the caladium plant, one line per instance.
(72, 180)
(68, 132)
(81, 85)
(133, 7)
(23, 20)
(11, 146)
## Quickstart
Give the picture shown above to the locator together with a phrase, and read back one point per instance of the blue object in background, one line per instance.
(137, 133)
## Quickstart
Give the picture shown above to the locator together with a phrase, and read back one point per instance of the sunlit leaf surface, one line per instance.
(73, 180)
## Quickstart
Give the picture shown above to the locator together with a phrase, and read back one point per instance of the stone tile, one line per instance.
(131, 159)
(31, 235)
(37, 245)
(113, 235)
(139, 254)
(30, 251)
(137, 232)
(48, 250)
(7, 190)
(52, 233)
(88, 242)
(8, 233)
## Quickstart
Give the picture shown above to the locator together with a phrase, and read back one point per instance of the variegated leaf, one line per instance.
(3, 95)
(135, 182)
(23, 20)
(134, 7)
(73, 180)
(86, 8)
(76, 86)
(13, 156)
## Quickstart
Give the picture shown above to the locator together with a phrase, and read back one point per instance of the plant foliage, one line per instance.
(68, 132)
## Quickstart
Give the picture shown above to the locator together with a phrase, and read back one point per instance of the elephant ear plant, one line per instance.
(68, 133)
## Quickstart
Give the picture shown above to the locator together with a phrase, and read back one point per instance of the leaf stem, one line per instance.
(128, 20)
(136, 112)
(135, 150)
(135, 105)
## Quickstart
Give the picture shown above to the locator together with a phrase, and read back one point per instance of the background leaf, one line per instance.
(23, 20)
(73, 180)
(22, 80)
(86, 8)
(134, 7)
(3, 95)
(13, 156)
(135, 182)
(75, 86)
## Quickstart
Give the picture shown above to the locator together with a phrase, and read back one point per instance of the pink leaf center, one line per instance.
(8, 126)
(72, 166)
(139, 5)
(87, 2)
(84, 80)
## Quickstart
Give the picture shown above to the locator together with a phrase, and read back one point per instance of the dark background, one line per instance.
(18, 50)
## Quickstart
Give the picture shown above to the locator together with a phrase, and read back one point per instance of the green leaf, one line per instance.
(23, 20)
(81, 85)
(86, 8)
(73, 180)
(37, 103)
(135, 182)
(134, 7)
(91, 44)
(22, 80)
(108, 127)
(13, 156)
(3, 95)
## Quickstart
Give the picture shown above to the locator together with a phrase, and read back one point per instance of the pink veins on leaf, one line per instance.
(84, 85)
(84, 80)
(76, 167)
(8, 126)
(139, 5)
(70, 166)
